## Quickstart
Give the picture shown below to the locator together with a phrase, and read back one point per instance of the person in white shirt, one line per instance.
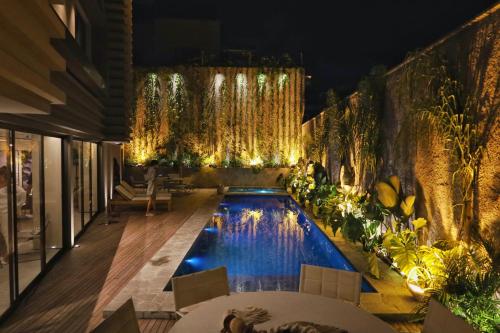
(4, 212)
(150, 177)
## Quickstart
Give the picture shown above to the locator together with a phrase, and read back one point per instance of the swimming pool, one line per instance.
(262, 240)
(256, 190)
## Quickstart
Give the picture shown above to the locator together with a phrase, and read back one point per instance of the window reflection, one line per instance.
(94, 178)
(76, 170)
(4, 221)
(86, 182)
(27, 201)
(53, 196)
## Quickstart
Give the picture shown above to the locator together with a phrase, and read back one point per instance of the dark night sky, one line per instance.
(340, 40)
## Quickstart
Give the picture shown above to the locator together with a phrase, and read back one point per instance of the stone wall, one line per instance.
(211, 177)
(419, 157)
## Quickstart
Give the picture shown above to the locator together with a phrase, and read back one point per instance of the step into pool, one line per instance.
(262, 240)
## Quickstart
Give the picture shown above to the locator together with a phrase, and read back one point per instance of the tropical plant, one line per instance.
(357, 219)
(421, 265)
(470, 287)
(463, 121)
(391, 197)
(363, 118)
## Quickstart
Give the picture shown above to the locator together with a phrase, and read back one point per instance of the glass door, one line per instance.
(26, 199)
(52, 158)
(94, 177)
(87, 186)
(77, 182)
(5, 222)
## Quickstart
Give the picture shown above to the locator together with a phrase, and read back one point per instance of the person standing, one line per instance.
(4, 213)
(150, 177)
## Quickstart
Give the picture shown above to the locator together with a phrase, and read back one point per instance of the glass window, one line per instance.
(82, 32)
(53, 195)
(86, 183)
(76, 175)
(27, 201)
(94, 179)
(4, 221)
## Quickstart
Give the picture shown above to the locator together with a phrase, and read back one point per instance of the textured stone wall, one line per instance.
(419, 156)
(211, 177)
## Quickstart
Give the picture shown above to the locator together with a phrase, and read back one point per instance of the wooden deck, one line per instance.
(72, 295)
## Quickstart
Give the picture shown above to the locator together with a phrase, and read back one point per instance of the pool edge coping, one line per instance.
(146, 288)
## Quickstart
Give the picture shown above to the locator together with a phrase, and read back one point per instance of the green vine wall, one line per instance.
(239, 116)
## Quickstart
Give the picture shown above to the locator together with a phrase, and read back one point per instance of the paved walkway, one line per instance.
(71, 297)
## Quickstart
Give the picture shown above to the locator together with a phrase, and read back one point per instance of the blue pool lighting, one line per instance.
(262, 240)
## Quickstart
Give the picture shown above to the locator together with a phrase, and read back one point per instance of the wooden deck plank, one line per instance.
(406, 327)
(72, 295)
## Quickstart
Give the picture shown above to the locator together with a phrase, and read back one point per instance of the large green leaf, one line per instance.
(386, 243)
(352, 228)
(395, 183)
(419, 223)
(386, 195)
(432, 259)
(403, 250)
(407, 205)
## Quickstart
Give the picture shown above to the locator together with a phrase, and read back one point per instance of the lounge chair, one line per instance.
(191, 289)
(173, 182)
(129, 199)
(330, 282)
(122, 320)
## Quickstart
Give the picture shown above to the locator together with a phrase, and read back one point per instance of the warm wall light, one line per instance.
(282, 80)
(176, 79)
(293, 159)
(218, 80)
(256, 161)
(261, 82)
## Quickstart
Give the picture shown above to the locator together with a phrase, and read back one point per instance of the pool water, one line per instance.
(255, 190)
(262, 240)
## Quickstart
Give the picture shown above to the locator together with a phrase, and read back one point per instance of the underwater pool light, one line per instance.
(194, 261)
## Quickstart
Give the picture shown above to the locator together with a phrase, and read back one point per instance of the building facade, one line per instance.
(65, 81)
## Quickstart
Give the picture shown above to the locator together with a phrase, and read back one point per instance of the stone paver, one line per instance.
(147, 286)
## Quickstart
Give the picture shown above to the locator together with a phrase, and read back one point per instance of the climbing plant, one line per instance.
(439, 100)
(218, 116)
(363, 120)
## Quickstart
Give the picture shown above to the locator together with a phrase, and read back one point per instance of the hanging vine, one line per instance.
(216, 116)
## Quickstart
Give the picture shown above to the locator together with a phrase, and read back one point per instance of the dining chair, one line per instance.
(439, 319)
(191, 289)
(122, 320)
(330, 282)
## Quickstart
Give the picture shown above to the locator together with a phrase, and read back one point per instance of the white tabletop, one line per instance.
(284, 307)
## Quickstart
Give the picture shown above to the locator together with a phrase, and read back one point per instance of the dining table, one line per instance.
(283, 307)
